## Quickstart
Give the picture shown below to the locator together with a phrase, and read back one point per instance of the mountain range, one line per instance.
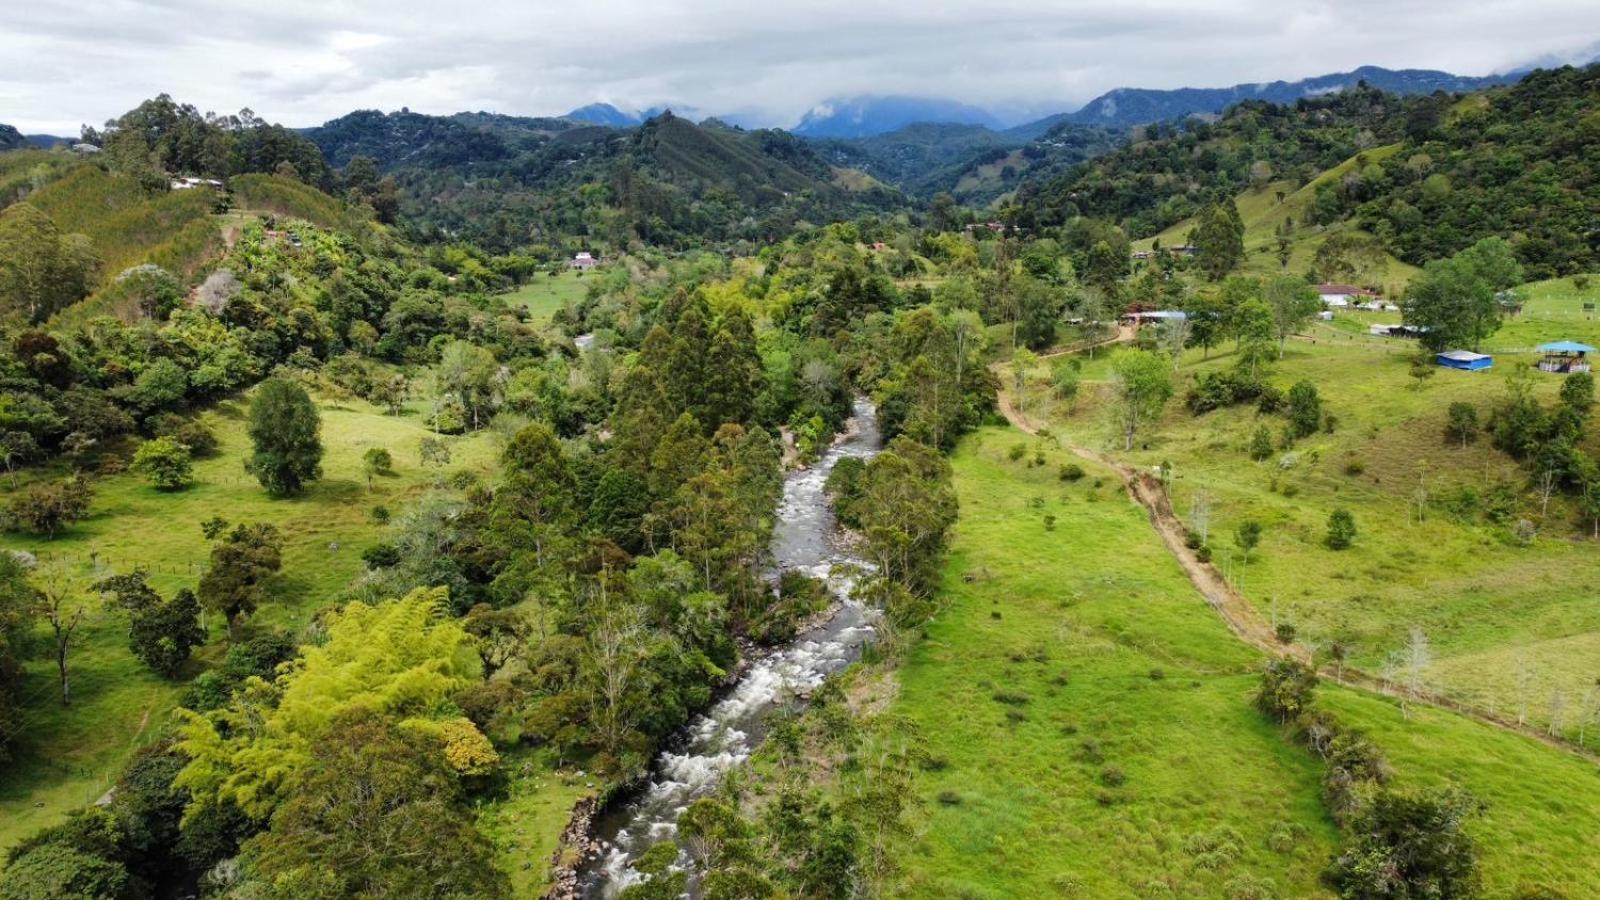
(869, 115)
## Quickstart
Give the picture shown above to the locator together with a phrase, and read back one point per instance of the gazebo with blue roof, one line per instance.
(1565, 357)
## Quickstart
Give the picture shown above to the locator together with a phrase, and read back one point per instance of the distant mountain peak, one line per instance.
(868, 115)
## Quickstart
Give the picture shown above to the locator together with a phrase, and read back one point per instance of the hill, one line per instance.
(1515, 162)
(11, 138)
(497, 180)
(1167, 173)
(1126, 107)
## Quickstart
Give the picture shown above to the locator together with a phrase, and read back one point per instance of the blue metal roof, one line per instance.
(1565, 347)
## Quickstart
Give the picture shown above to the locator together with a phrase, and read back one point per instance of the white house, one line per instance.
(584, 260)
(1339, 296)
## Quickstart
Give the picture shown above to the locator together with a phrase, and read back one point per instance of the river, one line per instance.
(806, 538)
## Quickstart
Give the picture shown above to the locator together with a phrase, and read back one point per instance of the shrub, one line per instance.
(1411, 845)
(949, 798)
(1285, 633)
(48, 508)
(1261, 444)
(1304, 409)
(1341, 529)
(1112, 776)
(1216, 390)
(381, 556)
(1287, 686)
(1017, 451)
(165, 463)
(1354, 467)
(1071, 472)
(1461, 423)
(1203, 553)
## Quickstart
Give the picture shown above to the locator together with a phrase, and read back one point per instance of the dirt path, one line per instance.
(1239, 613)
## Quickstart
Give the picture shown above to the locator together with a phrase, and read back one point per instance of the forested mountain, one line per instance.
(1168, 172)
(1522, 162)
(504, 181)
(1124, 107)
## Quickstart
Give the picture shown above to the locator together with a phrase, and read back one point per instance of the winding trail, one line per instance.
(1237, 612)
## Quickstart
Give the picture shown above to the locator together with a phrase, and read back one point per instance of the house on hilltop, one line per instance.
(584, 261)
(1342, 295)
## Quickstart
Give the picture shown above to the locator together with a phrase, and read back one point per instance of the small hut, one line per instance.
(1564, 357)
(1465, 360)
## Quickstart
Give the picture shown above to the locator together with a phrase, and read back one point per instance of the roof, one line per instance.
(1346, 289)
(1161, 314)
(1565, 347)
(1464, 355)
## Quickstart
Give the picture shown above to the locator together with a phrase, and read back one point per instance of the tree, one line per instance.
(1341, 529)
(377, 812)
(1143, 384)
(285, 430)
(165, 463)
(1247, 535)
(41, 270)
(1287, 687)
(161, 633)
(375, 462)
(1462, 423)
(1305, 409)
(1410, 845)
(1453, 304)
(1492, 260)
(1253, 327)
(19, 605)
(1293, 303)
(49, 507)
(58, 607)
(1261, 444)
(1219, 240)
(240, 565)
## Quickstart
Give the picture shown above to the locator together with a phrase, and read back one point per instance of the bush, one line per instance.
(1261, 446)
(165, 463)
(1112, 776)
(192, 433)
(1285, 633)
(1341, 529)
(48, 508)
(1287, 686)
(1354, 467)
(1304, 409)
(1071, 472)
(1203, 553)
(1461, 423)
(1216, 390)
(1016, 452)
(1411, 845)
(381, 556)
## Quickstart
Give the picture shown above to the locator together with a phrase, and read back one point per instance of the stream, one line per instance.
(806, 538)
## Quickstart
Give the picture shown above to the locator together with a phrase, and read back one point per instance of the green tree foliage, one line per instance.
(376, 812)
(1219, 240)
(1305, 409)
(1143, 383)
(165, 463)
(49, 507)
(376, 462)
(903, 504)
(1261, 444)
(241, 563)
(1293, 303)
(75, 859)
(1247, 536)
(1454, 303)
(1461, 423)
(1410, 845)
(399, 659)
(41, 270)
(161, 633)
(1287, 688)
(285, 431)
(1341, 529)
(19, 600)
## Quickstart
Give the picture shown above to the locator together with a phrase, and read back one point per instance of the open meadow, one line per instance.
(1096, 724)
(543, 294)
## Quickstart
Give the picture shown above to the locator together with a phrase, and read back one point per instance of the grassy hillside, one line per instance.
(1063, 657)
(68, 757)
(1064, 654)
(1510, 626)
(1264, 213)
(544, 294)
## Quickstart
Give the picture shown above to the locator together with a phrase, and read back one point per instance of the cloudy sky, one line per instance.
(302, 62)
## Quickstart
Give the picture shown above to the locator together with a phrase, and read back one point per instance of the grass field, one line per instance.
(1079, 620)
(544, 294)
(1102, 658)
(68, 757)
(526, 823)
(1512, 628)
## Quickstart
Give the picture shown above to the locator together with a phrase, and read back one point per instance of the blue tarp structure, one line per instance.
(1565, 347)
(1465, 359)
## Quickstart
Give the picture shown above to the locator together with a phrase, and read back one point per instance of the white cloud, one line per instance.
(304, 61)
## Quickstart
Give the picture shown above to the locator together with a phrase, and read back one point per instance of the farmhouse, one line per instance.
(584, 260)
(1342, 295)
(1465, 360)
